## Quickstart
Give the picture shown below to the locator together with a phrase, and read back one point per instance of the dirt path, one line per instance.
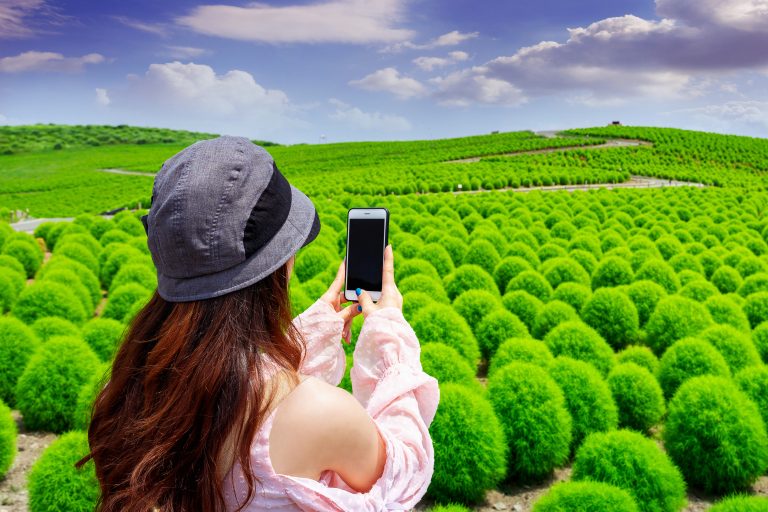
(13, 488)
(129, 173)
(612, 143)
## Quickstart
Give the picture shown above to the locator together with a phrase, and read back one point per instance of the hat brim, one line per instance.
(297, 231)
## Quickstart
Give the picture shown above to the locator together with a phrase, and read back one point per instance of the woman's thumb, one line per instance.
(365, 301)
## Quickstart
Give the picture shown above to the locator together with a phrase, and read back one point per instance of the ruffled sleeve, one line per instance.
(321, 328)
(388, 380)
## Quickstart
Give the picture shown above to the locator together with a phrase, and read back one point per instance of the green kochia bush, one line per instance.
(573, 294)
(103, 335)
(134, 273)
(473, 305)
(507, 269)
(741, 504)
(715, 434)
(736, 347)
(470, 449)
(587, 397)
(523, 305)
(496, 327)
(687, 358)
(564, 270)
(645, 295)
(482, 253)
(48, 298)
(532, 410)
(754, 382)
(611, 272)
(55, 483)
(579, 341)
(725, 311)
(88, 278)
(439, 322)
(525, 350)
(7, 439)
(81, 416)
(531, 282)
(446, 365)
(27, 252)
(585, 497)
(756, 308)
(424, 284)
(638, 396)
(550, 316)
(613, 315)
(47, 391)
(311, 261)
(17, 344)
(640, 355)
(760, 339)
(675, 318)
(468, 277)
(47, 327)
(634, 463)
(121, 300)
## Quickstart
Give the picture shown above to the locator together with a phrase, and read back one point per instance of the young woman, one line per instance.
(217, 400)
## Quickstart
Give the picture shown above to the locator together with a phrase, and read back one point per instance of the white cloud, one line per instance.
(23, 18)
(159, 29)
(356, 118)
(184, 52)
(464, 88)
(748, 111)
(3, 119)
(430, 63)
(331, 21)
(102, 97)
(47, 61)
(390, 80)
(452, 38)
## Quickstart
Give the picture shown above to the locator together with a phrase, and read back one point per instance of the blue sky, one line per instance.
(337, 70)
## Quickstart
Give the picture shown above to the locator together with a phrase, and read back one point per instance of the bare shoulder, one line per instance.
(319, 426)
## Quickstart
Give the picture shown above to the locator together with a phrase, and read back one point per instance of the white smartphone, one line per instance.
(367, 236)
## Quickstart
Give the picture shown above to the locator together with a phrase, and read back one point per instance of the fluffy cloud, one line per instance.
(748, 111)
(47, 61)
(102, 97)
(390, 80)
(332, 21)
(184, 52)
(628, 56)
(464, 88)
(22, 18)
(356, 118)
(430, 63)
(158, 29)
(452, 38)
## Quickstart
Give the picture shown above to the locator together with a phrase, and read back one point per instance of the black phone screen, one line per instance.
(365, 254)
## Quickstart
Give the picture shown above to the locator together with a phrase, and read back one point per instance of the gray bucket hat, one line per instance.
(223, 217)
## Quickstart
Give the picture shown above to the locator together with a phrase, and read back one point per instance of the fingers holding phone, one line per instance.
(390, 295)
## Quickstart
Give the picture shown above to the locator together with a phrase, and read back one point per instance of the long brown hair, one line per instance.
(187, 377)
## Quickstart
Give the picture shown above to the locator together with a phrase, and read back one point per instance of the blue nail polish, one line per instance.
(358, 291)
(359, 307)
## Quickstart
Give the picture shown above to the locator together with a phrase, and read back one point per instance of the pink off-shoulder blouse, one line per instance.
(388, 381)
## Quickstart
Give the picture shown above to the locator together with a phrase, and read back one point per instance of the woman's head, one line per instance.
(188, 386)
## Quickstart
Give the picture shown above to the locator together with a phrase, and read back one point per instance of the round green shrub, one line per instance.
(473, 305)
(688, 358)
(71, 281)
(439, 257)
(699, 290)
(675, 318)
(587, 397)
(54, 483)
(611, 272)
(760, 339)
(311, 261)
(446, 365)
(470, 449)
(573, 294)
(725, 311)
(661, 273)
(84, 239)
(415, 266)
(300, 301)
(79, 253)
(116, 259)
(48, 298)
(47, 327)
(753, 381)
(756, 308)
(81, 417)
(531, 282)
(523, 305)
(468, 277)
(133, 310)
(753, 284)
(27, 252)
(579, 341)
(726, 279)
(550, 316)
(715, 435)
(735, 346)
(17, 344)
(585, 497)
(741, 504)
(8, 434)
(613, 315)
(497, 326)
(482, 253)
(564, 270)
(47, 390)
(532, 411)
(9, 288)
(414, 301)
(134, 273)
(634, 463)
(13, 264)
(120, 302)
(527, 350)
(640, 355)
(103, 336)
(439, 322)
(88, 278)
(638, 396)
(425, 284)
(509, 268)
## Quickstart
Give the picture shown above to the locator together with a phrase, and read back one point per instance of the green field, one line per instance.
(619, 333)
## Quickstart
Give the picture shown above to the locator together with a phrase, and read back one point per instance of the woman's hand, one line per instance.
(334, 297)
(390, 295)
